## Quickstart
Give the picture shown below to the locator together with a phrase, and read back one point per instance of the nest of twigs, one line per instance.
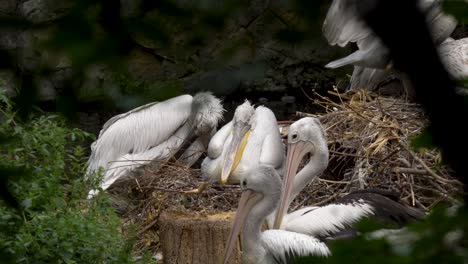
(161, 186)
(369, 141)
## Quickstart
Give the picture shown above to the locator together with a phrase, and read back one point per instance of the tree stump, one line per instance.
(193, 239)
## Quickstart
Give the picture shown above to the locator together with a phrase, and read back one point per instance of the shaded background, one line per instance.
(93, 59)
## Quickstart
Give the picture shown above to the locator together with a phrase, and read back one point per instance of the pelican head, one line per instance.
(305, 136)
(207, 111)
(242, 123)
(257, 184)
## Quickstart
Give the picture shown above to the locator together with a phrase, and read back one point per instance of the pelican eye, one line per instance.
(294, 136)
(244, 182)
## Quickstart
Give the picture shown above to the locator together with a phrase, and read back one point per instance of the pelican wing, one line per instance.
(342, 214)
(371, 53)
(124, 165)
(267, 138)
(139, 130)
(282, 246)
(218, 141)
(272, 151)
(454, 56)
(342, 25)
(123, 115)
(326, 220)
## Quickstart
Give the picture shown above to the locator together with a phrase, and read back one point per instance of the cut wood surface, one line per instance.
(191, 239)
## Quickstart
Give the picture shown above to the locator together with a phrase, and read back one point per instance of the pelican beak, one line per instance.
(295, 153)
(235, 150)
(247, 201)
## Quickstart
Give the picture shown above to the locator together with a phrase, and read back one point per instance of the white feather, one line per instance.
(454, 56)
(138, 130)
(279, 243)
(155, 131)
(326, 220)
(256, 151)
(344, 24)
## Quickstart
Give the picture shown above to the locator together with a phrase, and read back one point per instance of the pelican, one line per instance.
(250, 139)
(307, 136)
(343, 24)
(261, 189)
(454, 56)
(155, 131)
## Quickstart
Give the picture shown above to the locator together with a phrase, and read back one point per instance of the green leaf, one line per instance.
(423, 141)
(459, 9)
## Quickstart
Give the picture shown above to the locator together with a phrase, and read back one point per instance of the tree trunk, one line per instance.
(192, 239)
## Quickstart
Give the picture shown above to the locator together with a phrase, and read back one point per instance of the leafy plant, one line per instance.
(54, 223)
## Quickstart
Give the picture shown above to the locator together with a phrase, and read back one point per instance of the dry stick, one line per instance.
(149, 226)
(339, 95)
(299, 205)
(390, 154)
(411, 182)
(351, 155)
(158, 210)
(333, 125)
(418, 203)
(303, 114)
(410, 170)
(429, 170)
(136, 180)
(326, 200)
(335, 182)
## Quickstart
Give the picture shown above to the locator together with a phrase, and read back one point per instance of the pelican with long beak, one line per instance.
(261, 189)
(251, 138)
(335, 219)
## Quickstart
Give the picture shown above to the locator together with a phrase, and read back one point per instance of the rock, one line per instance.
(143, 66)
(9, 39)
(46, 90)
(39, 11)
(8, 8)
(9, 83)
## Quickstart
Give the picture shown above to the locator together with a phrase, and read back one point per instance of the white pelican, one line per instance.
(454, 56)
(261, 189)
(250, 139)
(343, 24)
(307, 136)
(155, 131)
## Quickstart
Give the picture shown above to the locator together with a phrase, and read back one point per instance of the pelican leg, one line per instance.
(200, 189)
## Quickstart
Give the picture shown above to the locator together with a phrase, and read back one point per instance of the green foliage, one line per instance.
(423, 140)
(459, 9)
(54, 223)
(441, 238)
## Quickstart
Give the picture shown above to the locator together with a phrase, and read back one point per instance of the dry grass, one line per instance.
(369, 142)
(369, 148)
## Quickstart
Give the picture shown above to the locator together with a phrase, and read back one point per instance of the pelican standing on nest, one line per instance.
(156, 131)
(261, 189)
(343, 24)
(250, 139)
(307, 136)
